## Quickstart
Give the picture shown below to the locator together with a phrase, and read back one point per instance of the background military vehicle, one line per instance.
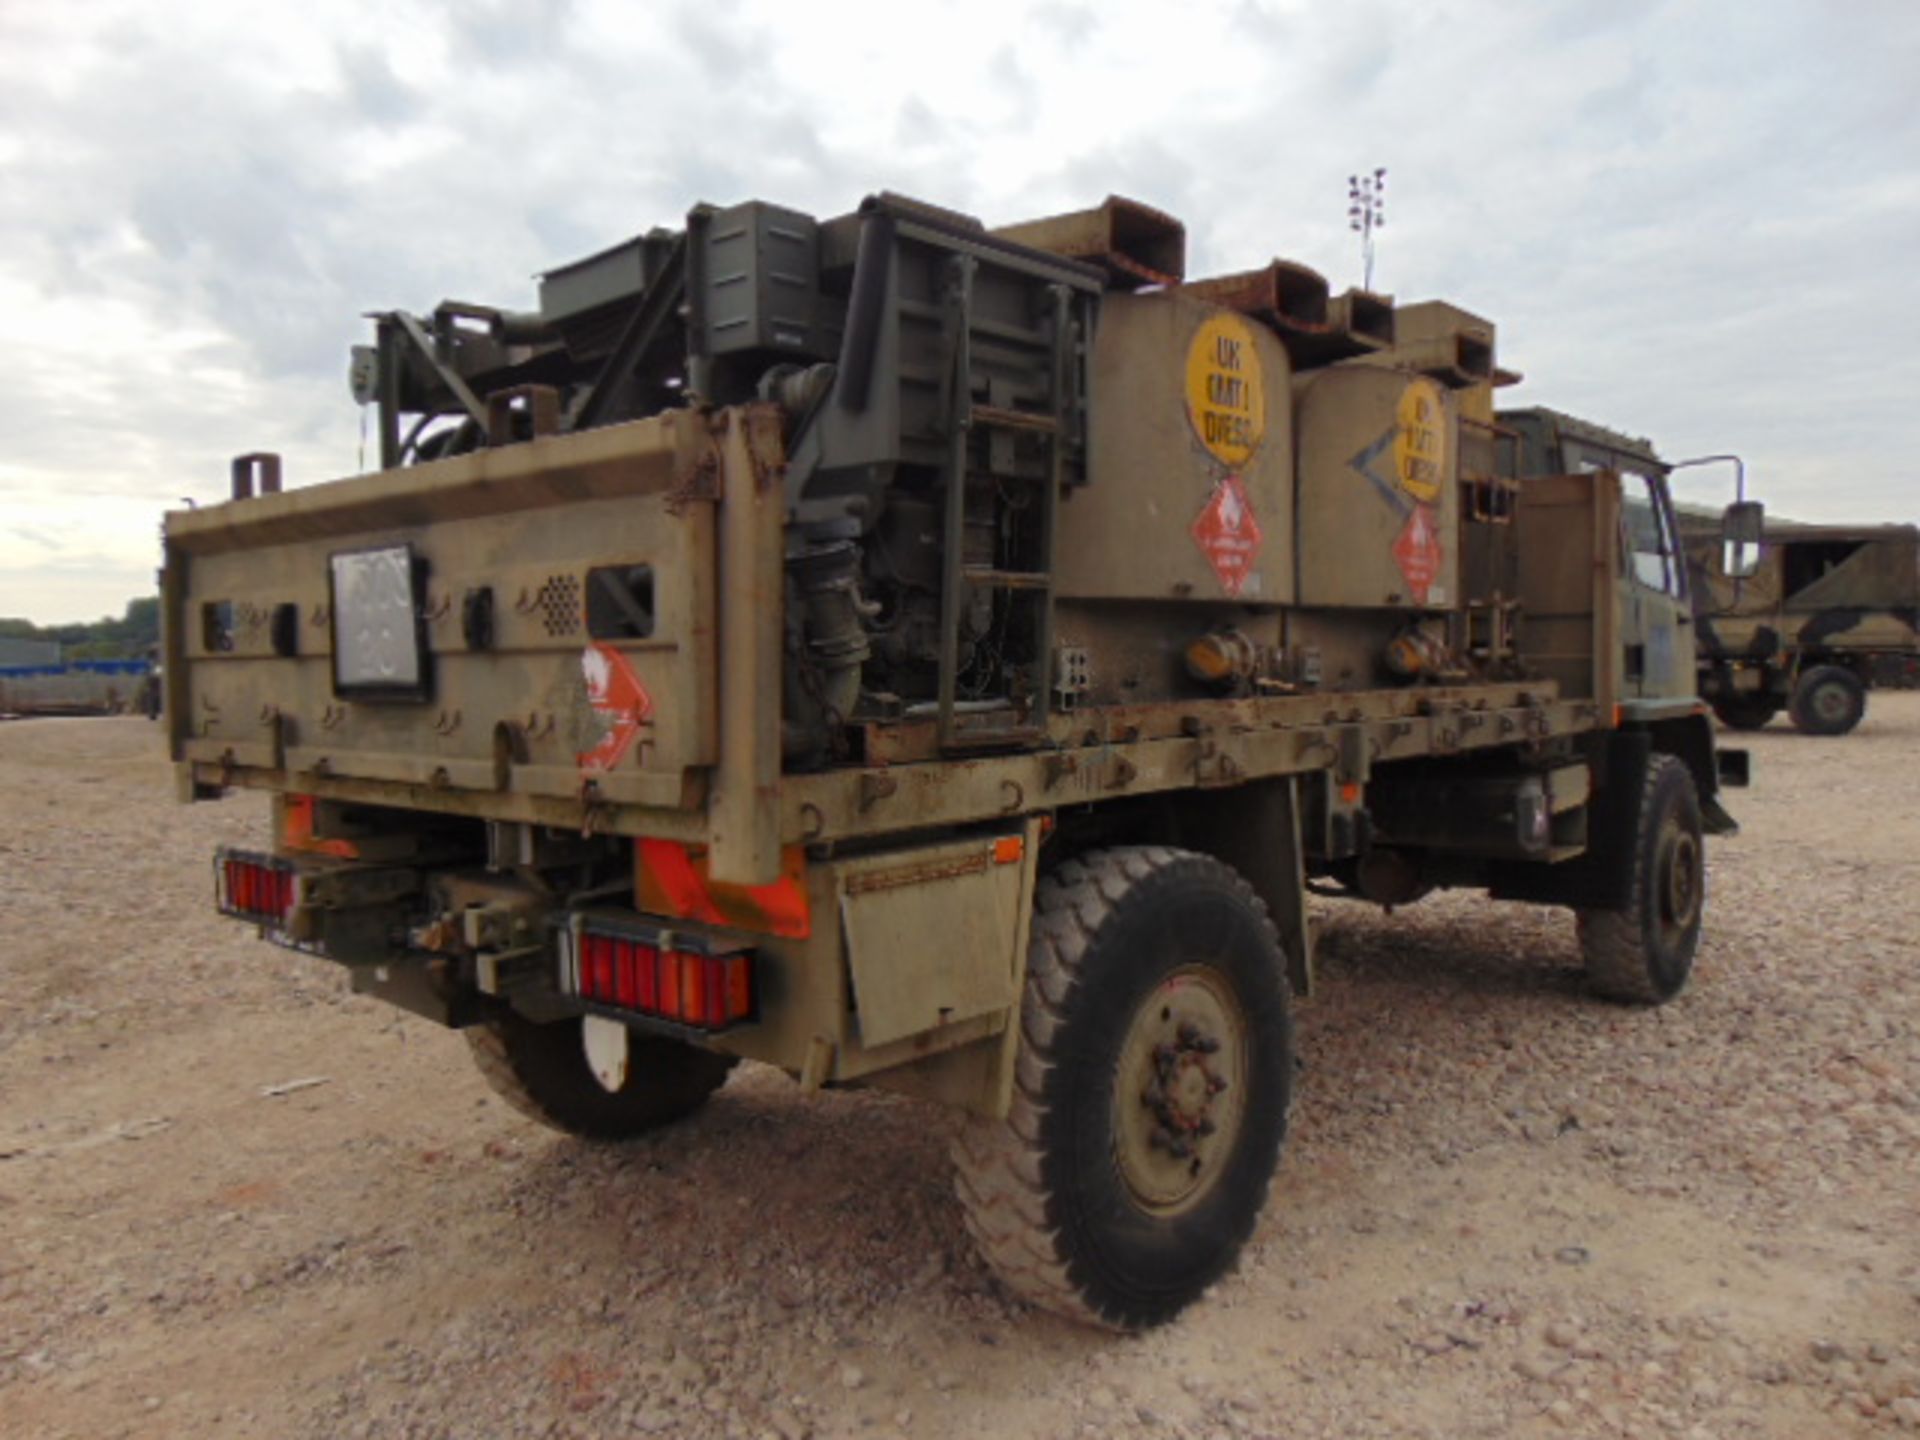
(1807, 623)
(926, 656)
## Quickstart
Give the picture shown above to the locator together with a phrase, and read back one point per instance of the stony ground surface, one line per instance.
(1504, 1210)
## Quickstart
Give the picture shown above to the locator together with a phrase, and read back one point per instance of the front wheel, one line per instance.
(1643, 952)
(546, 1073)
(1746, 710)
(1155, 1070)
(1829, 700)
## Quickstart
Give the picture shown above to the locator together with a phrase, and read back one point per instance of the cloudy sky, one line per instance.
(1696, 221)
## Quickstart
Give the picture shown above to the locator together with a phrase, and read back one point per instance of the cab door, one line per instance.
(1656, 617)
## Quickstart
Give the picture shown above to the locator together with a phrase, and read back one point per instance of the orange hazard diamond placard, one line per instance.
(1228, 534)
(1416, 550)
(619, 699)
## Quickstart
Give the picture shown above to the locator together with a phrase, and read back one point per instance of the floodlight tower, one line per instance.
(1366, 213)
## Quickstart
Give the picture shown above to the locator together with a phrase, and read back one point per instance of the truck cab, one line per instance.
(1655, 615)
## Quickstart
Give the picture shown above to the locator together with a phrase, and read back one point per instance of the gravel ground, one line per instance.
(1504, 1209)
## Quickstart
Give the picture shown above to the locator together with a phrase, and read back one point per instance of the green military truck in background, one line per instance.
(920, 655)
(1807, 623)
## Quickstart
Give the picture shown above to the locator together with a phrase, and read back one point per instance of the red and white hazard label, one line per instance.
(1418, 553)
(1228, 534)
(619, 698)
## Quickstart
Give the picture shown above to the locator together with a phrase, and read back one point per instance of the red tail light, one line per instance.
(254, 887)
(670, 985)
(689, 987)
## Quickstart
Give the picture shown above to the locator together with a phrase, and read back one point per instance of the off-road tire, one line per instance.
(1045, 1193)
(1643, 953)
(1746, 710)
(1828, 700)
(542, 1071)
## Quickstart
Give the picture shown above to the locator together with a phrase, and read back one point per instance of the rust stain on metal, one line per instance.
(1287, 296)
(875, 788)
(1134, 243)
(761, 434)
(696, 476)
(918, 874)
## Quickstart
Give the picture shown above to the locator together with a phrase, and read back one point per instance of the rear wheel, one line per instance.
(545, 1072)
(1155, 1071)
(1746, 710)
(1829, 700)
(1643, 953)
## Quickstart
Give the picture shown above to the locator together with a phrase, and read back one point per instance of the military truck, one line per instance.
(1807, 622)
(926, 656)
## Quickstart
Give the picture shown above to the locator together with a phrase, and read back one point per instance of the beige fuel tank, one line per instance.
(1379, 511)
(1189, 492)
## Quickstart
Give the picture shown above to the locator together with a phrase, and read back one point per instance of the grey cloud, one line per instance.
(1574, 20)
(503, 35)
(373, 88)
(915, 124)
(720, 40)
(1016, 87)
(43, 539)
(1072, 23)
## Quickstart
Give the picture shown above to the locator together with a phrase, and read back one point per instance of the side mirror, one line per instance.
(1743, 522)
(1741, 527)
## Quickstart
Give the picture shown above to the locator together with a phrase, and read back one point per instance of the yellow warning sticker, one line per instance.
(1226, 396)
(1420, 449)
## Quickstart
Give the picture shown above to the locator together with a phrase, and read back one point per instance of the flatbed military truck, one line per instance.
(920, 655)
(1808, 622)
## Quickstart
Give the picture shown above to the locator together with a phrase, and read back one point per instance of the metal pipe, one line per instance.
(699, 350)
(1739, 470)
(871, 270)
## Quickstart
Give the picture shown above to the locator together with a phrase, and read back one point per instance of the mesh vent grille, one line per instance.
(559, 603)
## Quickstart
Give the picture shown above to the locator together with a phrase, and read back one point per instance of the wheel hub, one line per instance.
(1681, 892)
(1179, 1096)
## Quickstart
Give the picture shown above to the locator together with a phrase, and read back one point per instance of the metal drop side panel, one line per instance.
(1568, 536)
(536, 678)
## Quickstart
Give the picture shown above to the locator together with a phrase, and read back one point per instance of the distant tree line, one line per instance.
(104, 639)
